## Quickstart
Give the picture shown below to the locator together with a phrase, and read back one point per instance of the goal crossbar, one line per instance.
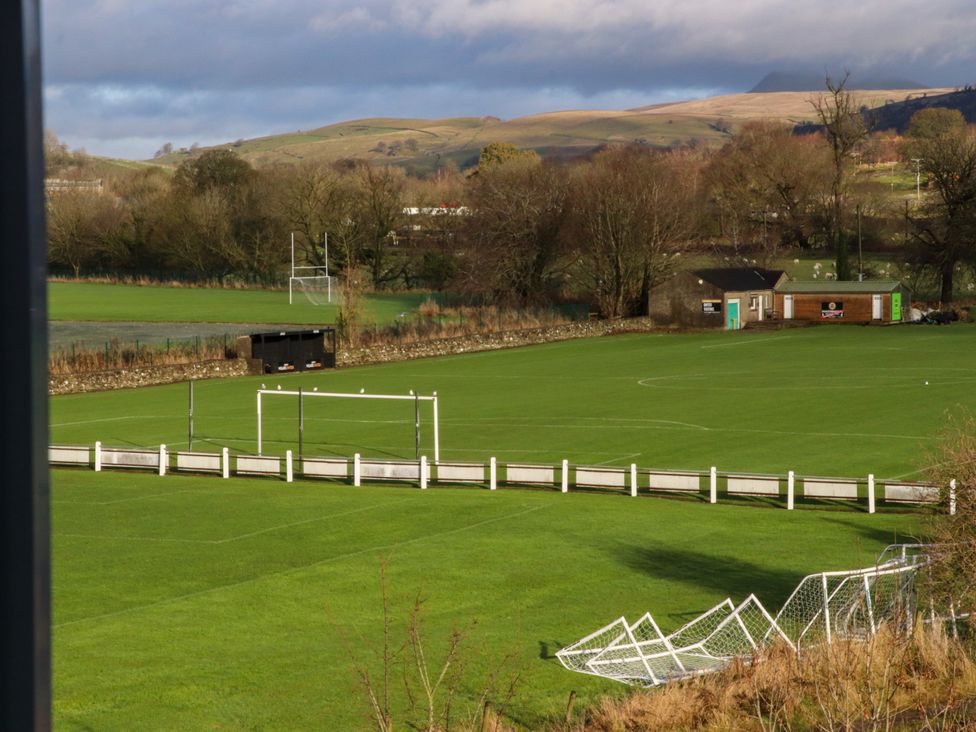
(344, 395)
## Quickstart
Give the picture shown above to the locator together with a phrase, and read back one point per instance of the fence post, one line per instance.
(790, 489)
(633, 480)
(98, 456)
(225, 462)
(565, 484)
(356, 473)
(871, 493)
(289, 472)
(713, 485)
(162, 459)
(492, 474)
(423, 472)
(952, 497)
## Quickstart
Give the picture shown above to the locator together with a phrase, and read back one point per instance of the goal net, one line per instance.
(313, 423)
(311, 281)
(827, 606)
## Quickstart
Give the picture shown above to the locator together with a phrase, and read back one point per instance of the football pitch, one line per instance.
(844, 401)
(198, 603)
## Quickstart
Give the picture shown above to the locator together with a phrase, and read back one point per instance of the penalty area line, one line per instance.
(294, 570)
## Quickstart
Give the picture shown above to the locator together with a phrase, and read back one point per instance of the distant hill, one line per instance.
(895, 115)
(424, 145)
(798, 81)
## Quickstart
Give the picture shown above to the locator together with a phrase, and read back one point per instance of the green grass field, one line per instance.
(195, 603)
(192, 603)
(843, 400)
(93, 301)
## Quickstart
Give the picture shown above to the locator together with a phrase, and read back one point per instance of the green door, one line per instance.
(895, 306)
(732, 318)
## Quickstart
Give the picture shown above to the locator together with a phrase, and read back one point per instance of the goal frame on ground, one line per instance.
(301, 394)
(315, 269)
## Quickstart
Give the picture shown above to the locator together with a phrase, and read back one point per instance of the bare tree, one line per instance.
(845, 130)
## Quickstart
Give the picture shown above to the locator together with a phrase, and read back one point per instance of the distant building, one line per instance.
(61, 185)
(715, 298)
(871, 301)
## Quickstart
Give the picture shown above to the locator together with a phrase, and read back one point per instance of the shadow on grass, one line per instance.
(873, 533)
(729, 577)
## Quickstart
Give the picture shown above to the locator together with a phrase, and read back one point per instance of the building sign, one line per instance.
(833, 309)
(712, 306)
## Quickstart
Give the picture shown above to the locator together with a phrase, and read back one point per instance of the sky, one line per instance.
(123, 77)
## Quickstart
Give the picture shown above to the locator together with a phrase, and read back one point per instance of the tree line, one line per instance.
(519, 229)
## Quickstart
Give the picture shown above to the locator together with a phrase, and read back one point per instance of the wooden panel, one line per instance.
(602, 477)
(530, 474)
(68, 455)
(826, 488)
(148, 459)
(200, 462)
(911, 493)
(325, 467)
(753, 485)
(461, 472)
(258, 465)
(674, 482)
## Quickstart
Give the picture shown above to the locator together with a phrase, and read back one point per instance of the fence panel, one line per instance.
(325, 467)
(69, 455)
(602, 477)
(753, 485)
(520, 473)
(139, 459)
(686, 482)
(905, 492)
(199, 462)
(461, 473)
(258, 465)
(391, 470)
(830, 488)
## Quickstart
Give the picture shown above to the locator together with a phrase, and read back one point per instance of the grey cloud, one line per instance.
(123, 69)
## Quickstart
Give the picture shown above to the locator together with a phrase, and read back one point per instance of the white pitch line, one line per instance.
(614, 460)
(293, 570)
(746, 342)
(115, 419)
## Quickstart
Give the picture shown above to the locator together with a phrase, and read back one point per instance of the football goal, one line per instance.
(353, 422)
(311, 280)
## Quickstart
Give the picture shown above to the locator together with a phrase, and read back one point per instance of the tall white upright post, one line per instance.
(162, 459)
(98, 456)
(633, 480)
(225, 462)
(492, 474)
(289, 468)
(713, 485)
(790, 489)
(565, 477)
(952, 497)
(871, 493)
(356, 471)
(291, 274)
(259, 423)
(423, 472)
(437, 434)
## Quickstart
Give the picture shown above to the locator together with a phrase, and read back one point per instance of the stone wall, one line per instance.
(150, 375)
(490, 341)
(144, 376)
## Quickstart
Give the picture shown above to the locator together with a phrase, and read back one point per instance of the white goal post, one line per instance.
(316, 277)
(301, 394)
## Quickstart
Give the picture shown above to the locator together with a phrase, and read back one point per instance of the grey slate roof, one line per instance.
(834, 286)
(740, 278)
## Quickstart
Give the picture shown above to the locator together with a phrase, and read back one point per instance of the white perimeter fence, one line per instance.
(562, 477)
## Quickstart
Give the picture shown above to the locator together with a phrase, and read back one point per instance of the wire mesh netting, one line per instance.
(826, 606)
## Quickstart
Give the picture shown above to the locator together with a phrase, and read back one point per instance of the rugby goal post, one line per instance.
(301, 394)
(310, 280)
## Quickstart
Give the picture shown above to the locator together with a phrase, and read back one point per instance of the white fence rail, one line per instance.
(709, 485)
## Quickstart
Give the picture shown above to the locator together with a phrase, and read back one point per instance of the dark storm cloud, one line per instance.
(118, 70)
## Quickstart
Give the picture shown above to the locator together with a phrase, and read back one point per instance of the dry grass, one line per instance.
(434, 322)
(118, 355)
(926, 681)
